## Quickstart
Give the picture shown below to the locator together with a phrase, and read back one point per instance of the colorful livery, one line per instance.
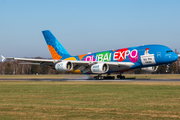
(106, 62)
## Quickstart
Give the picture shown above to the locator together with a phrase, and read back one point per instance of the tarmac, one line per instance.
(89, 79)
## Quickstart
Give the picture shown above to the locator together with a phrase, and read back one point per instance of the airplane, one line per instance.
(146, 57)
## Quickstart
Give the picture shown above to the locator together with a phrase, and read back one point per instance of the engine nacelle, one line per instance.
(99, 68)
(150, 69)
(64, 66)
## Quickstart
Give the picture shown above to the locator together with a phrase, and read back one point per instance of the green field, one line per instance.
(89, 100)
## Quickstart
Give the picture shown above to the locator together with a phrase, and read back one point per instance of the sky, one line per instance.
(84, 26)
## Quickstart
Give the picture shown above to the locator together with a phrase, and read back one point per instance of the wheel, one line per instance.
(96, 77)
(118, 76)
(100, 77)
(122, 77)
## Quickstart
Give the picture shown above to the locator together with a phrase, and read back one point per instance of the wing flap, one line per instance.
(29, 63)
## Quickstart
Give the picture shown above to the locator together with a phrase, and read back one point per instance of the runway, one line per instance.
(89, 79)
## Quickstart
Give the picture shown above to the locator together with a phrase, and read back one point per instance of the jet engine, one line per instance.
(64, 66)
(99, 68)
(150, 69)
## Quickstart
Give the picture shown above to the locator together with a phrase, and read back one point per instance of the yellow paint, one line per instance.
(71, 71)
(70, 58)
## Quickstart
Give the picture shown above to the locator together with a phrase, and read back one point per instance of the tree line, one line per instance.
(14, 68)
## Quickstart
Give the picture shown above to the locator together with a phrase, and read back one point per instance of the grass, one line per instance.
(41, 76)
(89, 100)
(154, 76)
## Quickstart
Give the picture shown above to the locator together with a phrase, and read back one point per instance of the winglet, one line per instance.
(3, 58)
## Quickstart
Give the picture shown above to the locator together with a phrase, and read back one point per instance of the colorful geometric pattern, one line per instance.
(146, 55)
(56, 49)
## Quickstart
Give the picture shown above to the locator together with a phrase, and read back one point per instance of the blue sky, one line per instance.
(84, 26)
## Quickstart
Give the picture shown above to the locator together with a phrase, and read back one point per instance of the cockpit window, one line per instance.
(169, 51)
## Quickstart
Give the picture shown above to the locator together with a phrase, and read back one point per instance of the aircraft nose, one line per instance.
(174, 57)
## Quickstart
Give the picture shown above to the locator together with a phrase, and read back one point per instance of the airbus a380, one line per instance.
(146, 57)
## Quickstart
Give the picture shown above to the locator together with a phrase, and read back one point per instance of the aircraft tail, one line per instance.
(56, 49)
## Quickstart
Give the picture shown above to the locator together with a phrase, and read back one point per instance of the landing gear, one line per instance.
(167, 68)
(109, 77)
(120, 76)
(99, 77)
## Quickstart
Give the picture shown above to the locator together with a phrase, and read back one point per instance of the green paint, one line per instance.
(103, 56)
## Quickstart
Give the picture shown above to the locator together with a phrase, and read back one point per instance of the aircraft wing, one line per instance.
(81, 65)
(47, 62)
(28, 60)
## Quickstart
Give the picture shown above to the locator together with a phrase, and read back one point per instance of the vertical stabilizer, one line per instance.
(56, 49)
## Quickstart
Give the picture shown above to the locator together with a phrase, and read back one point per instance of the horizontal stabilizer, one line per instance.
(3, 58)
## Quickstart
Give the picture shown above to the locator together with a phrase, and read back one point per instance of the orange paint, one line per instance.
(54, 54)
(75, 72)
(81, 56)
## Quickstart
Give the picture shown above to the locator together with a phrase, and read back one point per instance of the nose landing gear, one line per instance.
(167, 68)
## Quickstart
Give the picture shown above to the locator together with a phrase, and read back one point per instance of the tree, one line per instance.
(8, 69)
(161, 69)
(34, 69)
(44, 70)
(173, 68)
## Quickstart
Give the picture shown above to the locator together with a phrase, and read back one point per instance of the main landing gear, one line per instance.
(99, 77)
(120, 76)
